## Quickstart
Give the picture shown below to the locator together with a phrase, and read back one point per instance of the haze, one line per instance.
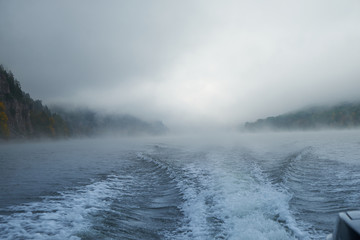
(187, 63)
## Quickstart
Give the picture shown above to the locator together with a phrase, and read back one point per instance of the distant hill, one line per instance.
(89, 122)
(346, 115)
(23, 117)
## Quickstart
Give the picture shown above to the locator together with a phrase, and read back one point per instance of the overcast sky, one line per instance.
(184, 62)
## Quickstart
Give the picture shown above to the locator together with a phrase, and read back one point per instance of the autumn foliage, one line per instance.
(4, 129)
(25, 116)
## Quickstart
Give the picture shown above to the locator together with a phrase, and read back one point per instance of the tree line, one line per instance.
(344, 115)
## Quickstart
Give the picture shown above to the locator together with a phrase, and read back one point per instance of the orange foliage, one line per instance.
(51, 126)
(4, 129)
(2, 107)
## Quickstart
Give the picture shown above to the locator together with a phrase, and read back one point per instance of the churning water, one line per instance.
(255, 186)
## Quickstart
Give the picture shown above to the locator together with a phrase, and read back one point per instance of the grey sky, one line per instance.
(184, 61)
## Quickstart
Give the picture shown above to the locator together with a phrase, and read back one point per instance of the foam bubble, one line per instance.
(63, 216)
(221, 204)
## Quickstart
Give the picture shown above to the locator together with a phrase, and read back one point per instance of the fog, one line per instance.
(186, 63)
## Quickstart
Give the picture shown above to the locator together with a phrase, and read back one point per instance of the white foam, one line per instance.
(244, 206)
(58, 217)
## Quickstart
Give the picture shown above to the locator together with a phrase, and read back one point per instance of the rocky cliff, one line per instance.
(23, 117)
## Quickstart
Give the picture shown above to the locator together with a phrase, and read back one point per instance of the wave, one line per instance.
(320, 187)
(163, 192)
(138, 201)
(62, 216)
(226, 196)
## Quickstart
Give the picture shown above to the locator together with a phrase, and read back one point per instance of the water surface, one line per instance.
(250, 186)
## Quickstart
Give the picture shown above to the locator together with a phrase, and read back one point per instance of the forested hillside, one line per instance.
(84, 121)
(345, 115)
(23, 117)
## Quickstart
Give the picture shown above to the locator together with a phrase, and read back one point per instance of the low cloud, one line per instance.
(185, 62)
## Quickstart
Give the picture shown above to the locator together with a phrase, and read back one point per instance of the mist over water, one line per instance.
(183, 62)
(195, 71)
(249, 186)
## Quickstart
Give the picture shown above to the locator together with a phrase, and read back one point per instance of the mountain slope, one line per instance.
(87, 122)
(340, 116)
(23, 117)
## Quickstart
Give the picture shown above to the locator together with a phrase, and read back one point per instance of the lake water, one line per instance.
(245, 186)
